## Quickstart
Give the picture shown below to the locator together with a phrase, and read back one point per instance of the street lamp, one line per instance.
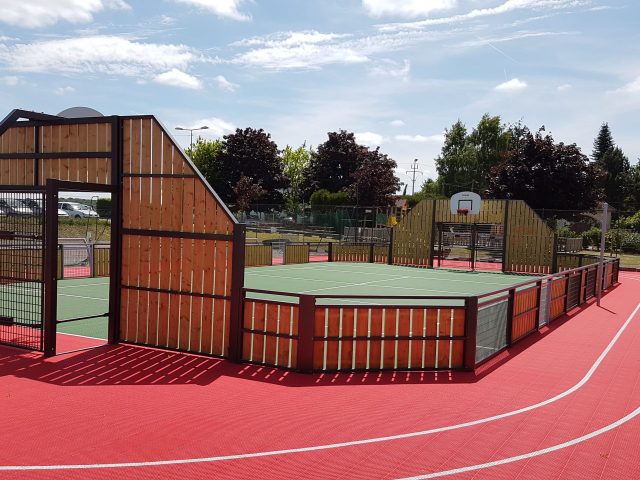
(191, 130)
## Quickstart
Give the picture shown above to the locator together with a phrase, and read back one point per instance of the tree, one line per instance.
(247, 193)
(251, 153)
(615, 166)
(466, 159)
(206, 155)
(374, 181)
(333, 164)
(603, 143)
(295, 164)
(632, 188)
(547, 175)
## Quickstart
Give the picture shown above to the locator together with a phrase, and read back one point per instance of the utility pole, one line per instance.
(413, 170)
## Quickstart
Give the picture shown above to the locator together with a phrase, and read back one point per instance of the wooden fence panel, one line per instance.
(388, 338)
(525, 313)
(258, 255)
(177, 241)
(296, 254)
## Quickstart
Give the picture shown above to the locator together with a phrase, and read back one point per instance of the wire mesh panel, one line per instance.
(591, 283)
(491, 335)
(76, 260)
(544, 311)
(21, 268)
(573, 291)
(454, 247)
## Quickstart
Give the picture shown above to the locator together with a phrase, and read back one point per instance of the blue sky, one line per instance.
(395, 72)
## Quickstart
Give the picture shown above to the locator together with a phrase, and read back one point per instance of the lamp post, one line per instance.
(191, 130)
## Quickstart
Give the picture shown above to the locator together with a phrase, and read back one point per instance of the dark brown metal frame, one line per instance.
(53, 189)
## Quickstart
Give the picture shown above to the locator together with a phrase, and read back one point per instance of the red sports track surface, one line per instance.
(564, 405)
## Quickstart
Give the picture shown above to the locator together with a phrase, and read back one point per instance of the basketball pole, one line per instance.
(603, 234)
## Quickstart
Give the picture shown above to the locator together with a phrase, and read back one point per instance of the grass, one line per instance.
(628, 260)
(78, 228)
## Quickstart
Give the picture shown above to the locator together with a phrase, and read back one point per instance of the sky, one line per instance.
(397, 73)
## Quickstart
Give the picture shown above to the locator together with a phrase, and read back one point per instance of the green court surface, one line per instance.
(338, 278)
(82, 298)
(90, 296)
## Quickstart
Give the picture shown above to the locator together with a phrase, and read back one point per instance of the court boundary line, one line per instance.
(417, 277)
(331, 446)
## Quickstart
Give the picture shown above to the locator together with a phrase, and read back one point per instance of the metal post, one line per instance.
(471, 331)
(306, 320)
(371, 253)
(390, 254)
(510, 302)
(538, 303)
(505, 238)
(50, 268)
(237, 297)
(115, 247)
(330, 252)
(603, 234)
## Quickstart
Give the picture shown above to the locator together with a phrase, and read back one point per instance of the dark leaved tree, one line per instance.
(247, 193)
(603, 143)
(547, 175)
(333, 164)
(251, 153)
(374, 181)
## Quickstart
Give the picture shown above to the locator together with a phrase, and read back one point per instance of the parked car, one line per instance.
(34, 205)
(78, 210)
(13, 207)
(62, 213)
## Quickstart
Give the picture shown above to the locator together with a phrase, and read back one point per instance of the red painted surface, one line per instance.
(123, 403)
(463, 264)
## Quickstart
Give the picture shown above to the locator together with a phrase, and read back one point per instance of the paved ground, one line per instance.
(563, 404)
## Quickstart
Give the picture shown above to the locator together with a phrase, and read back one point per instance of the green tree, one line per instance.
(615, 167)
(251, 153)
(466, 159)
(333, 164)
(374, 181)
(632, 188)
(206, 155)
(603, 143)
(547, 175)
(295, 164)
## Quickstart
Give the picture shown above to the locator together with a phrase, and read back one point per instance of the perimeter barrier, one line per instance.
(326, 333)
(83, 260)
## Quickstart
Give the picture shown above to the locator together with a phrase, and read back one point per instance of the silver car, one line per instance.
(78, 210)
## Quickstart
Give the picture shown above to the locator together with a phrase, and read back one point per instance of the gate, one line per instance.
(22, 286)
(476, 246)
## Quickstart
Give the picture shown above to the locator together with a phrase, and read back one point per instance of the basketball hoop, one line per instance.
(463, 211)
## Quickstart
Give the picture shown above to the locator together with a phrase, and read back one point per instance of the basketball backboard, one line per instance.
(465, 203)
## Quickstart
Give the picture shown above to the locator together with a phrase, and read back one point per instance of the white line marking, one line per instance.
(366, 441)
(84, 285)
(81, 336)
(535, 453)
(80, 296)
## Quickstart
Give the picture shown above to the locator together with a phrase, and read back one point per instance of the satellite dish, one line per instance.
(80, 112)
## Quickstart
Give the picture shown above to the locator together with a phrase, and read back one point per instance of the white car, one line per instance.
(77, 210)
(62, 213)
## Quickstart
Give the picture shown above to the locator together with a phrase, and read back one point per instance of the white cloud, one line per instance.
(10, 80)
(178, 78)
(513, 85)
(370, 139)
(225, 84)
(297, 50)
(98, 54)
(392, 69)
(220, 8)
(564, 87)
(64, 90)
(439, 138)
(217, 127)
(505, 7)
(44, 13)
(397, 123)
(632, 87)
(406, 8)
